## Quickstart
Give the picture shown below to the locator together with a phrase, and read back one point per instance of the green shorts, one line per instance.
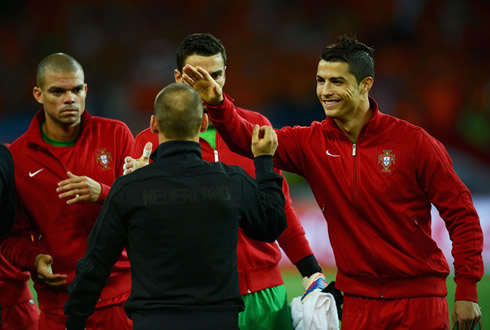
(266, 310)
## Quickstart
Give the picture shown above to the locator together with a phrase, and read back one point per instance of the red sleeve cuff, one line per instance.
(466, 290)
(103, 193)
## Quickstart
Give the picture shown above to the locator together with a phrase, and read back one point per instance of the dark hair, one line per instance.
(202, 44)
(178, 110)
(57, 62)
(357, 55)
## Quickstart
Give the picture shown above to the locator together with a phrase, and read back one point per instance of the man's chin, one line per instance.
(331, 113)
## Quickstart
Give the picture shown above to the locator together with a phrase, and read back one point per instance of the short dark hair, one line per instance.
(178, 110)
(356, 54)
(57, 62)
(202, 44)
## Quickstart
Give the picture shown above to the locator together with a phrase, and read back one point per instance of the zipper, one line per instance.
(354, 168)
(216, 159)
(355, 199)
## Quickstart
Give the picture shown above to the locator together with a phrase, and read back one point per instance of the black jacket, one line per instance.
(178, 218)
(7, 190)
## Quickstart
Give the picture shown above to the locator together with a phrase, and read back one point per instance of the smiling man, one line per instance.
(374, 177)
(64, 166)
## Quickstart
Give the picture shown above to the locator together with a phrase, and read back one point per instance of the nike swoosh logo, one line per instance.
(32, 174)
(332, 155)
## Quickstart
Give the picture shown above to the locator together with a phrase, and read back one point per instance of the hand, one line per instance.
(316, 282)
(131, 164)
(43, 264)
(466, 315)
(203, 83)
(264, 141)
(82, 188)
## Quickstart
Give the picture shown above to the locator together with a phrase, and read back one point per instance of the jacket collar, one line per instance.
(178, 149)
(33, 133)
(370, 127)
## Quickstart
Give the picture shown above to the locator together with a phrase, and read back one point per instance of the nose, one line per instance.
(326, 89)
(69, 97)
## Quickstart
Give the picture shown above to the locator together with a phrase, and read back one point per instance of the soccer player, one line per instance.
(261, 283)
(64, 166)
(179, 218)
(374, 177)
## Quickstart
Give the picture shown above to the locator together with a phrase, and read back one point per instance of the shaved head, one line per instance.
(58, 62)
(178, 111)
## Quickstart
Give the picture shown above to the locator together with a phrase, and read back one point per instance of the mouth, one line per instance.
(69, 111)
(330, 103)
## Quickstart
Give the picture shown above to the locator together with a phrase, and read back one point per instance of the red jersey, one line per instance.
(376, 196)
(45, 223)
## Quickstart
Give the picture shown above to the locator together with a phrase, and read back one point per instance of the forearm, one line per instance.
(270, 186)
(19, 250)
(308, 266)
(89, 281)
(264, 217)
(293, 240)
(235, 130)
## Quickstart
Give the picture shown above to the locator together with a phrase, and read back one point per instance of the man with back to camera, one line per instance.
(64, 166)
(374, 177)
(178, 218)
(261, 283)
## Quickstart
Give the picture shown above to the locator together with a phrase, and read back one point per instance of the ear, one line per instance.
(178, 76)
(154, 125)
(36, 91)
(224, 77)
(205, 122)
(366, 84)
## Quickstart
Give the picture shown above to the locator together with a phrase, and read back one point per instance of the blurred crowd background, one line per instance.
(431, 60)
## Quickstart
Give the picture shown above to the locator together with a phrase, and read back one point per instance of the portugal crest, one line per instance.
(103, 158)
(386, 159)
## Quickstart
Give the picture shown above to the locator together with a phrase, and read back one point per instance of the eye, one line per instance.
(57, 92)
(78, 90)
(216, 76)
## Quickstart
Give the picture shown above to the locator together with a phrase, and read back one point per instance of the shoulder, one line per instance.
(127, 183)
(147, 135)
(18, 144)
(108, 121)
(4, 151)
(398, 124)
(111, 129)
(408, 132)
(399, 129)
(5, 156)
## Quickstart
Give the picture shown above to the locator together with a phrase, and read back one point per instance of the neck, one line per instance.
(163, 139)
(353, 125)
(61, 133)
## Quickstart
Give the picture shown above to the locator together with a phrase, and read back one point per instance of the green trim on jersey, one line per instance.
(55, 143)
(265, 310)
(210, 136)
